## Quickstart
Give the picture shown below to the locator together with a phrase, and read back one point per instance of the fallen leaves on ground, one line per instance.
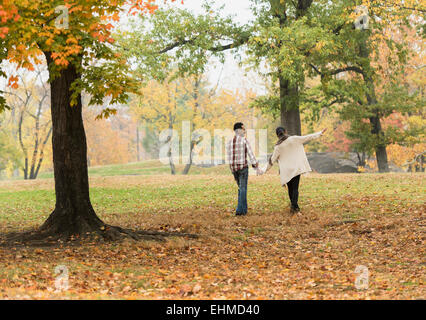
(347, 221)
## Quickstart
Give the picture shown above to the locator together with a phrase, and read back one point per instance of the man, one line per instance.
(237, 149)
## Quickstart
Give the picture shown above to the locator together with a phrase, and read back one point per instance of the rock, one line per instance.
(333, 162)
(395, 168)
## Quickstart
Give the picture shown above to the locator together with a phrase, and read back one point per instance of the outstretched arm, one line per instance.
(309, 137)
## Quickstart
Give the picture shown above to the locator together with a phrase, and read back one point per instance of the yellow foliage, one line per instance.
(401, 155)
(104, 144)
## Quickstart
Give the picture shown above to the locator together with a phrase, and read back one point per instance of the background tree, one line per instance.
(176, 37)
(10, 156)
(165, 105)
(372, 89)
(287, 42)
(157, 108)
(29, 119)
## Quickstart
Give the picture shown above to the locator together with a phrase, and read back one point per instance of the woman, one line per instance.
(291, 156)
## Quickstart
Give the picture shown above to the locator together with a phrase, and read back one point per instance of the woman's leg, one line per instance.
(296, 192)
(290, 191)
(293, 192)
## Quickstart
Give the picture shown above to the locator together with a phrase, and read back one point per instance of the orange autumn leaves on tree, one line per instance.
(92, 16)
(146, 5)
(7, 12)
(13, 82)
(33, 28)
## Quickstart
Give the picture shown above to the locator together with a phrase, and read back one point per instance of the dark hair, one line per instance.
(280, 131)
(238, 125)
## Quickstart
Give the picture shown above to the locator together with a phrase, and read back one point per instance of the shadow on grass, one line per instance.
(33, 238)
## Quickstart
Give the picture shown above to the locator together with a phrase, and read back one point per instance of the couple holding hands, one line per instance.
(288, 152)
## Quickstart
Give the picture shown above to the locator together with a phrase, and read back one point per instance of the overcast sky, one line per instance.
(239, 8)
(229, 75)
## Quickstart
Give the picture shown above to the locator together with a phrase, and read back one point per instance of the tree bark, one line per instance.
(189, 164)
(191, 156)
(381, 154)
(73, 214)
(289, 104)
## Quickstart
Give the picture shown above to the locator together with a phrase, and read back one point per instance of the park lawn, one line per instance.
(147, 167)
(374, 220)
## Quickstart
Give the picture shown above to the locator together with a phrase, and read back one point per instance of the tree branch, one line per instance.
(337, 71)
(235, 44)
(176, 44)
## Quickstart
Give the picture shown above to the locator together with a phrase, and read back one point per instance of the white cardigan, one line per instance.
(291, 157)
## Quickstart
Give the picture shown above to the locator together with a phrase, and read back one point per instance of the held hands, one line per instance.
(258, 170)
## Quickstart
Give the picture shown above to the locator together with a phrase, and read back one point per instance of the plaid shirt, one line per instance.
(237, 149)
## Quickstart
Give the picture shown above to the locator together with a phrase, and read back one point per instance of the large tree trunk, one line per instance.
(376, 128)
(73, 213)
(289, 104)
(289, 94)
(380, 148)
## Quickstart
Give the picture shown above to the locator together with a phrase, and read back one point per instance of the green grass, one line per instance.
(348, 195)
(149, 167)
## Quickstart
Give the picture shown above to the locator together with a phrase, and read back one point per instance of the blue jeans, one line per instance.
(241, 177)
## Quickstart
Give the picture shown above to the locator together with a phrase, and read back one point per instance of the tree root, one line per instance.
(105, 233)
